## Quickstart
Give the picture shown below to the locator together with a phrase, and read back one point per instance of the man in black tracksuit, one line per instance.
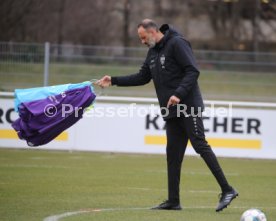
(171, 65)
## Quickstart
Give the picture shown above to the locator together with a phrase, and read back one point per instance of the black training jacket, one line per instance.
(172, 67)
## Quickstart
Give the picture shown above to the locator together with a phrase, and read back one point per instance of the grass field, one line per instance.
(36, 184)
(216, 85)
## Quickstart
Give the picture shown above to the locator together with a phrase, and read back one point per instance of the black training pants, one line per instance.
(179, 130)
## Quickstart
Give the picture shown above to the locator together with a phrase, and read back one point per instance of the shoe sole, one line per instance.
(228, 203)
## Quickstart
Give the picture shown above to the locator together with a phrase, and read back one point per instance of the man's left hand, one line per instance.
(173, 101)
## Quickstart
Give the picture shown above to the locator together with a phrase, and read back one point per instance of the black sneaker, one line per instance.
(167, 205)
(226, 198)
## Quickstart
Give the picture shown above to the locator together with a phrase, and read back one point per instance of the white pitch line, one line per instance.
(202, 191)
(73, 213)
(145, 189)
(35, 166)
(139, 188)
(63, 215)
(207, 173)
(152, 189)
(231, 207)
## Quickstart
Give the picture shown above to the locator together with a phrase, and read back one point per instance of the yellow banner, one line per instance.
(214, 142)
(11, 134)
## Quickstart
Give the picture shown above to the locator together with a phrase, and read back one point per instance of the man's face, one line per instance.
(147, 37)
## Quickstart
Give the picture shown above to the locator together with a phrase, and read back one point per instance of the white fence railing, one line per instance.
(25, 65)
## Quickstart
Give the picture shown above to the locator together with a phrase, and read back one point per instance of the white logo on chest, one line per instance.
(162, 60)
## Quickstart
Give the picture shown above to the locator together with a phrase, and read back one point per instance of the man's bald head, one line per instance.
(148, 23)
(149, 33)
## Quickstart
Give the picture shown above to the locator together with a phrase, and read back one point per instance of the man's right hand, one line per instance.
(104, 82)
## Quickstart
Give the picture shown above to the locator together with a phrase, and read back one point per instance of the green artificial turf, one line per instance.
(35, 184)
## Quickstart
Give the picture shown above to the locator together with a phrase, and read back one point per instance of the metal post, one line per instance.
(46, 63)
